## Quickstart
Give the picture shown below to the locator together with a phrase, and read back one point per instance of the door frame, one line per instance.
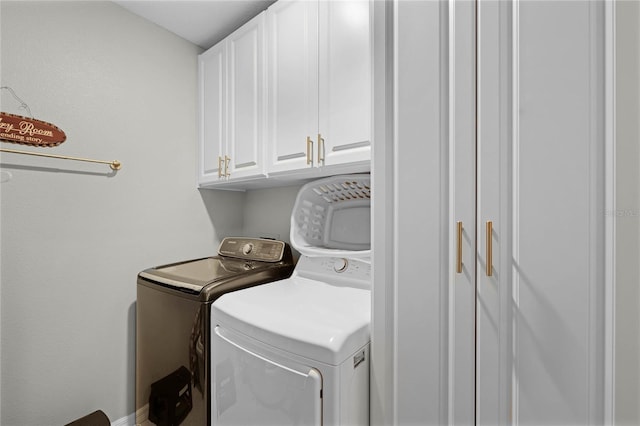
(610, 203)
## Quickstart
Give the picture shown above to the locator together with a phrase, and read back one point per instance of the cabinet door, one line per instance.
(245, 112)
(540, 324)
(344, 82)
(212, 113)
(292, 84)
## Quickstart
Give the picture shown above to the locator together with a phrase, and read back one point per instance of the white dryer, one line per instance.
(296, 351)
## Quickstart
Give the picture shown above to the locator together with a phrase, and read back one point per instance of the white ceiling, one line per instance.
(202, 22)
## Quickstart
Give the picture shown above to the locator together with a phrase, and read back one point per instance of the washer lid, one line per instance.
(194, 275)
(309, 318)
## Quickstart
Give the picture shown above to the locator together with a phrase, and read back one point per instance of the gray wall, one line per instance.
(74, 235)
(627, 377)
(268, 212)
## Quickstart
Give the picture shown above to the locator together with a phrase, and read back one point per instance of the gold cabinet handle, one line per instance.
(219, 167)
(309, 151)
(489, 248)
(320, 149)
(459, 249)
(226, 166)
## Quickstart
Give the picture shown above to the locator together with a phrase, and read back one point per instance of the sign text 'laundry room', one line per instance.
(29, 131)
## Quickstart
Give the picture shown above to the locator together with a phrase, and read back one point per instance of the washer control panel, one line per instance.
(259, 249)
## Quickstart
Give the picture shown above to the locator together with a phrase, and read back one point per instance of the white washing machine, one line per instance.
(296, 351)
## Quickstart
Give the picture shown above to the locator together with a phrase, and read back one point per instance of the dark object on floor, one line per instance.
(97, 418)
(170, 400)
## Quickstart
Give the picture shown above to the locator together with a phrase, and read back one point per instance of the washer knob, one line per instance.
(247, 248)
(340, 265)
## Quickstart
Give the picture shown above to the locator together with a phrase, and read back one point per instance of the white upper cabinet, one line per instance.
(292, 84)
(212, 74)
(319, 84)
(246, 97)
(344, 82)
(232, 107)
(288, 93)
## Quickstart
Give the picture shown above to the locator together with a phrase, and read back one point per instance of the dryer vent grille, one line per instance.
(332, 217)
(344, 191)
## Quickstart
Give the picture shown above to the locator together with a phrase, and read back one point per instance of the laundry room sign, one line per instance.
(29, 131)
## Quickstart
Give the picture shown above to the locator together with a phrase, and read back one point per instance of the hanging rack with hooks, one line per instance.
(34, 132)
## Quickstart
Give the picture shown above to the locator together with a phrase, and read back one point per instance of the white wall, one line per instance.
(627, 377)
(74, 236)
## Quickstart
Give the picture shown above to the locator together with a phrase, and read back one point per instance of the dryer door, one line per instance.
(251, 388)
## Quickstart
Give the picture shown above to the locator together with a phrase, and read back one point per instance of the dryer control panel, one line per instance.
(259, 249)
(336, 270)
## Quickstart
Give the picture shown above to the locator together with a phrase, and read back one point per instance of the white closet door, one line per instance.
(540, 323)
(462, 166)
(245, 114)
(344, 81)
(292, 83)
(249, 388)
(212, 112)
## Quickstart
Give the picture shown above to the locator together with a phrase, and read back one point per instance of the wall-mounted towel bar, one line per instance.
(115, 164)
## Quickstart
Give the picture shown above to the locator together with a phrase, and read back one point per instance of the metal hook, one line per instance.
(23, 104)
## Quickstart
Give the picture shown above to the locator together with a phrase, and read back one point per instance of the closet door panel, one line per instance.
(493, 360)
(554, 242)
(540, 314)
(462, 253)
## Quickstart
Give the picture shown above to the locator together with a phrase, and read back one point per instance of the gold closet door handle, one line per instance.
(226, 166)
(489, 248)
(459, 248)
(219, 167)
(320, 149)
(309, 151)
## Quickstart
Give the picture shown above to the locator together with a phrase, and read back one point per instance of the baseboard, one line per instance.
(125, 421)
(141, 415)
